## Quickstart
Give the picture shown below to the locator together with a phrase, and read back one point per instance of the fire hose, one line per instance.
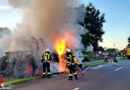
(80, 74)
(81, 71)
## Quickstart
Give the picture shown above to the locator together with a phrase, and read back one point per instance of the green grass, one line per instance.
(94, 64)
(13, 81)
(100, 63)
(121, 59)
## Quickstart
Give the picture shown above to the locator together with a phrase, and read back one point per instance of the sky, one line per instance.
(117, 26)
(8, 16)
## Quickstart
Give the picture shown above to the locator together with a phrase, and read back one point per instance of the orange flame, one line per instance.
(60, 45)
(60, 48)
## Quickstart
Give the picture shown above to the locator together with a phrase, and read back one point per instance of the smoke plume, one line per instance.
(19, 3)
(44, 22)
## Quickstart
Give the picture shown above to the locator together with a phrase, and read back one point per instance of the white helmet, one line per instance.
(68, 50)
(48, 50)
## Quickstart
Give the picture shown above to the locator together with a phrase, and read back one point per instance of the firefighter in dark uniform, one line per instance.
(71, 61)
(46, 59)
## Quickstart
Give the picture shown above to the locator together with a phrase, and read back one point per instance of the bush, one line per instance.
(86, 59)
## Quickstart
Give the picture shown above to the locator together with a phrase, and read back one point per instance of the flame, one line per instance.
(61, 47)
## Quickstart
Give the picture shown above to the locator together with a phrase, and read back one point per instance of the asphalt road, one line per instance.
(114, 76)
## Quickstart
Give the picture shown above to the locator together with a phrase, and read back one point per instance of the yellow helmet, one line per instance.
(48, 50)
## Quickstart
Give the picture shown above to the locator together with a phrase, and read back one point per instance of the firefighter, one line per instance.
(115, 57)
(46, 59)
(106, 58)
(71, 62)
(124, 56)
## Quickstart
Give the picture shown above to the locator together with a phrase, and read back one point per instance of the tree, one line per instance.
(100, 48)
(86, 40)
(93, 22)
(129, 40)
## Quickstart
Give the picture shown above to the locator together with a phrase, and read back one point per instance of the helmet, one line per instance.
(47, 50)
(68, 50)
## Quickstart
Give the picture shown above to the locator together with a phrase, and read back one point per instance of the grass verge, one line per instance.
(12, 81)
(94, 64)
(100, 63)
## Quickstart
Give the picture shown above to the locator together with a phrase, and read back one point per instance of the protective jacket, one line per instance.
(46, 57)
(71, 59)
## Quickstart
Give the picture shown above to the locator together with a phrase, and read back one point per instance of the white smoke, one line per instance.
(44, 22)
(4, 31)
(20, 3)
(2, 53)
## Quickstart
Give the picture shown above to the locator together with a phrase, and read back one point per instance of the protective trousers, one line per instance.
(46, 66)
(72, 71)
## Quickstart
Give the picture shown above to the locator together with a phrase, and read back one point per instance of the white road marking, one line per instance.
(76, 89)
(119, 68)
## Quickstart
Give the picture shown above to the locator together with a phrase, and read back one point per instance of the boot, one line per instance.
(76, 77)
(70, 78)
(43, 76)
(49, 75)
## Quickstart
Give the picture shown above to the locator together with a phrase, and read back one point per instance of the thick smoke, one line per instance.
(44, 22)
(4, 31)
(20, 3)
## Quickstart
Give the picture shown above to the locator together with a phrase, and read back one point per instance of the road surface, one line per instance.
(99, 61)
(114, 76)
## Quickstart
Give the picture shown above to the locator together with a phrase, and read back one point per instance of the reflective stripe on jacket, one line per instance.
(71, 59)
(46, 57)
